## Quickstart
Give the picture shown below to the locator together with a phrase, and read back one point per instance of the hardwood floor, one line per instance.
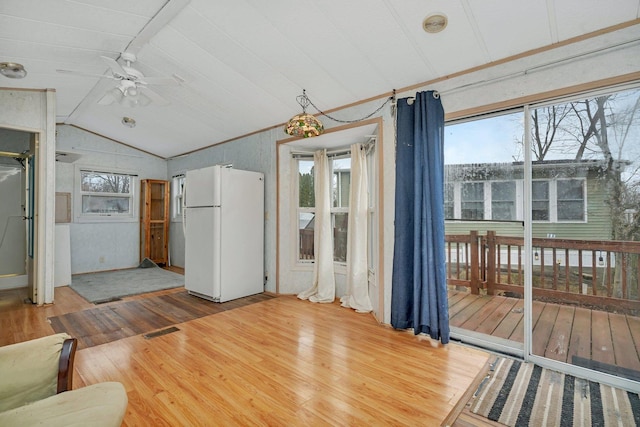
(280, 362)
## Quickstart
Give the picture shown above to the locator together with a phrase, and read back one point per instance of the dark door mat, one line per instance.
(124, 319)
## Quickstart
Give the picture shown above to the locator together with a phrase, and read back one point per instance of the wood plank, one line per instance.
(469, 311)
(557, 347)
(601, 343)
(462, 304)
(483, 313)
(543, 328)
(498, 316)
(634, 328)
(580, 343)
(624, 350)
(281, 361)
(508, 327)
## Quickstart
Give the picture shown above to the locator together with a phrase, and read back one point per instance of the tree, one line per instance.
(606, 128)
(306, 191)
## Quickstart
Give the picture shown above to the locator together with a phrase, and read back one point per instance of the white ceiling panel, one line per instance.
(43, 33)
(503, 38)
(242, 63)
(74, 15)
(146, 8)
(581, 17)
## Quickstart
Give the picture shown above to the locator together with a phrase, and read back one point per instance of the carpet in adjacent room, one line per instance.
(107, 286)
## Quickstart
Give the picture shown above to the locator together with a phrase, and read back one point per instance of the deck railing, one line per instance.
(598, 273)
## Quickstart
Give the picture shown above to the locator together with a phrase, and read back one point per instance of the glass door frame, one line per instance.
(545, 362)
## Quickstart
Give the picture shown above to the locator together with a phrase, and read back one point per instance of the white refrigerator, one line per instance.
(224, 233)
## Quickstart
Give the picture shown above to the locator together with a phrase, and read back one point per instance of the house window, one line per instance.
(449, 201)
(503, 200)
(340, 194)
(570, 199)
(473, 200)
(306, 209)
(540, 200)
(106, 195)
(177, 186)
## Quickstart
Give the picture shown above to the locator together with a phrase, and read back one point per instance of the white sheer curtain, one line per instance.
(357, 296)
(324, 285)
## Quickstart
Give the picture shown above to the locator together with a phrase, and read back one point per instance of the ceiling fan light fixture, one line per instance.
(304, 125)
(12, 70)
(435, 23)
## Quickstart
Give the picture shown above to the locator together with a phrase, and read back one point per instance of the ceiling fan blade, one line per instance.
(160, 81)
(80, 73)
(155, 98)
(115, 67)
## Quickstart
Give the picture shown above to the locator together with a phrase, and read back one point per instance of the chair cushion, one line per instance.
(100, 405)
(29, 370)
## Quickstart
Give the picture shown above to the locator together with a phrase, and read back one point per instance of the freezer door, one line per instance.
(202, 187)
(202, 252)
(242, 234)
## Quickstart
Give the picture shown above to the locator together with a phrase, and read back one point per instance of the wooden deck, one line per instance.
(607, 342)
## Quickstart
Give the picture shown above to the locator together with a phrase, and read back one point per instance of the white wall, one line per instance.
(99, 246)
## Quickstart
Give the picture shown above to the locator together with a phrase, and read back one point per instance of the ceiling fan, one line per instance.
(132, 89)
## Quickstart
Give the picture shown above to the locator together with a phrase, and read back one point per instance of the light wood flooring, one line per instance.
(280, 362)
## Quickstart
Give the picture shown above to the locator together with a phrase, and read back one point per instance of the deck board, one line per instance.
(543, 328)
(621, 337)
(560, 332)
(601, 343)
(580, 343)
(496, 317)
(557, 347)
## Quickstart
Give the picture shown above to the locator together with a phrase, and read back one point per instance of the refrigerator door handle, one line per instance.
(184, 210)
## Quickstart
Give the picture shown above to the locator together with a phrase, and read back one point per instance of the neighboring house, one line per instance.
(568, 199)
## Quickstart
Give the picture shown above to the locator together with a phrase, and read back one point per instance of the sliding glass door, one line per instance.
(484, 193)
(543, 233)
(585, 198)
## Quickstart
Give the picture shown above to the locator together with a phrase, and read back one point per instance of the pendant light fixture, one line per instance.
(304, 125)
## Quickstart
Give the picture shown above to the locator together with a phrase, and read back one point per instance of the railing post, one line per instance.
(474, 261)
(491, 261)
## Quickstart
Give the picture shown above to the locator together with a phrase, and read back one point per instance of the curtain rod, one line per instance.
(535, 68)
(334, 153)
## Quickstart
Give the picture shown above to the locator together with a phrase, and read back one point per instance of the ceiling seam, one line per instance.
(408, 36)
(476, 30)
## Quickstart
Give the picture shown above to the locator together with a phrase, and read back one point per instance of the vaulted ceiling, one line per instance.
(237, 66)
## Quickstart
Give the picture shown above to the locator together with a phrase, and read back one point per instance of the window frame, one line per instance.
(177, 187)
(344, 153)
(132, 195)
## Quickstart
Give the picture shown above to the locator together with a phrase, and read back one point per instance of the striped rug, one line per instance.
(524, 394)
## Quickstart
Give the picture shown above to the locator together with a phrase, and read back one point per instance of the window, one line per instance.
(177, 185)
(340, 194)
(540, 200)
(306, 209)
(449, 201)
(106, 195)
(473, 200)
(570, 204)
(503, 201)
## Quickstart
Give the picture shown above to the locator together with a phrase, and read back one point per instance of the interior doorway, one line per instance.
(16, 211)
